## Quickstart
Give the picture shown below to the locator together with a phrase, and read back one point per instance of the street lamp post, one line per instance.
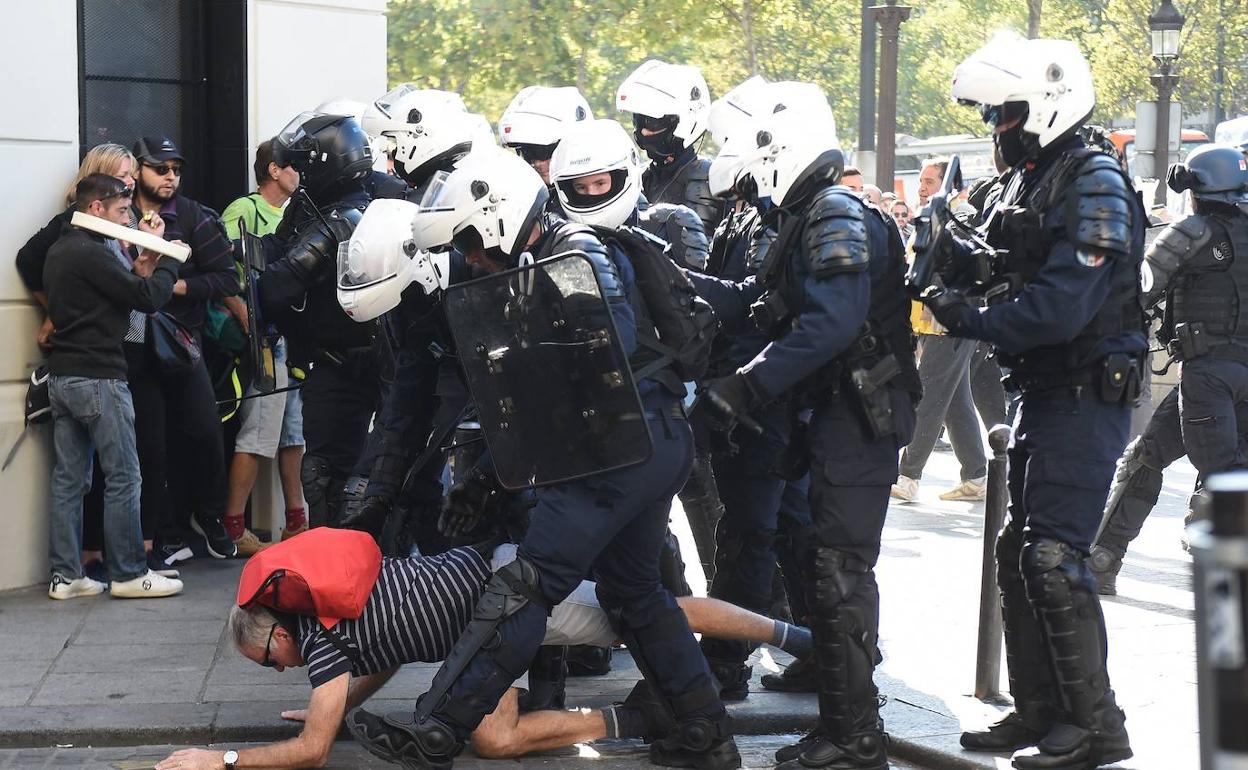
(889, 16)
(866, 93)
(1164, 27)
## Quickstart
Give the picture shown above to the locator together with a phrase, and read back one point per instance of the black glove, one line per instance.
(728, 400)
(469, 502)
(950, 307)
(367, 515)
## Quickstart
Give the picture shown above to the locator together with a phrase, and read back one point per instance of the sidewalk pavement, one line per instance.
(104, 672)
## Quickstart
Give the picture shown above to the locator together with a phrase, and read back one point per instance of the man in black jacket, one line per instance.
(196, 471)
(92, 289)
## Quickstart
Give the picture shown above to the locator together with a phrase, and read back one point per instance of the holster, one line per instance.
(1190, 341)
(869, 388)
(1121, 379)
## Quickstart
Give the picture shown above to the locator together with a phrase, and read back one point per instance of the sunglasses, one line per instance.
(535, 152)
(655, 124)
(268, 662)
(124, 192)
(165, 168)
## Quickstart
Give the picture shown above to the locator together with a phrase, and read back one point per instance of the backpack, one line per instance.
(684, 322)
(327, 573)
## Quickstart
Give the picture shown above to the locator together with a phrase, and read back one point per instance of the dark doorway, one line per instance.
(151, 67)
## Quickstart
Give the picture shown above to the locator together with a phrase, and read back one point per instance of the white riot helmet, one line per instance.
(1045, 84)
(539, 116)
(393, 111)
(670, 99)
(795, 144)
(597, 148)
(427, 130)
(380, 261)
(491, 200)
(357, 110)
(730, 119)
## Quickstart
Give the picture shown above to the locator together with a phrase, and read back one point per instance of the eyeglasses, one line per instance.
(165, 168)
(267, 662)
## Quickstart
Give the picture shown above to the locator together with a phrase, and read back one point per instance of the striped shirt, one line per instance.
(417, 610)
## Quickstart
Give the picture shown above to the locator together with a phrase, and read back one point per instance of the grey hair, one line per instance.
(250, 627)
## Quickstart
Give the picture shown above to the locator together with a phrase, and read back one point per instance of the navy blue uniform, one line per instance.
(831, 299)
(1070, 333)
(754, 494)
(612, 524)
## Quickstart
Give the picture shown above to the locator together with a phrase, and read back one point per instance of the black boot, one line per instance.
(699, 742)
(798, 677)
(842, 602)
(397, 738)
(586, 660)
(1092, 730)
(733, 679)
(1105, 564)
(547, 680)
(1027, 661)
(795, 750)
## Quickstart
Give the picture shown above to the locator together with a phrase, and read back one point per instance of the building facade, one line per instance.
(218, 76)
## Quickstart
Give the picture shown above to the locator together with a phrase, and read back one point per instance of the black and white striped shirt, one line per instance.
(417, 610)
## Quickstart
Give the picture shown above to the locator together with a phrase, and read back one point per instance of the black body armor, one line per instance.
(1204, 301)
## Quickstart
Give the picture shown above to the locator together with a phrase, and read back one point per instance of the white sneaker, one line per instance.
(906, 489)
(971, 489)
(60, 588)
(149, 586)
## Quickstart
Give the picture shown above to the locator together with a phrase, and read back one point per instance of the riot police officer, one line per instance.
(829, 296)
(669, 104)
(536, 120)
(1199, 264)
(1064, 314)
(297, 292)
(491, 208)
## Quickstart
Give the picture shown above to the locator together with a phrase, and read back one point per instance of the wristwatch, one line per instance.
(230, 758)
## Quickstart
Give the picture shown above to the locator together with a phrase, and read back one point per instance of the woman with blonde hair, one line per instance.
(117, 161)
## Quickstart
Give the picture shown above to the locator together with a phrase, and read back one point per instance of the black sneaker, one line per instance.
(397, 744)
(161, 566)
(718, 753)
(171, 553)
(218, 542)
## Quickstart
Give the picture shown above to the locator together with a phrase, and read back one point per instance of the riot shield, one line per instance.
(555, 397)
(259, 345)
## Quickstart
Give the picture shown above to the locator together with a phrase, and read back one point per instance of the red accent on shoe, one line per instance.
(296, 518)
(234, 525)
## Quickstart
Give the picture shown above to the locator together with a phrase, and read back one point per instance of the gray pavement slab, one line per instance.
(106, 672)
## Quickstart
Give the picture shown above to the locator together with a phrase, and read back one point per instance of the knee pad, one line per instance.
(1053, 571)
(316, 475)
(1140, 469)
(836, 575)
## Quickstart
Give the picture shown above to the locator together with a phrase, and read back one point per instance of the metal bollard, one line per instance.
(1220, 582)
(988, 648)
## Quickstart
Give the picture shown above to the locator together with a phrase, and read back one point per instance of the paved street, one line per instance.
(99, 672)
(756, 752)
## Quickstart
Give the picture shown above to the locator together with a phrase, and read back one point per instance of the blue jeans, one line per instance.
(89, 412)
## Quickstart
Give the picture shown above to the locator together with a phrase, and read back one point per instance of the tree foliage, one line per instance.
(490, 49)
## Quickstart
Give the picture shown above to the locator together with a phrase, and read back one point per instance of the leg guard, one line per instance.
(672, 567)
(1031, 678)
(703, 732)
(317, 477)
(479, 668)
(700, 499)
(350, 499)
(1062, 593)
(845, 654)
(1137, 485)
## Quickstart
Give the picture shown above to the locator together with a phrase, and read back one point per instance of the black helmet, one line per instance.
(1215, 172)
(326, 150)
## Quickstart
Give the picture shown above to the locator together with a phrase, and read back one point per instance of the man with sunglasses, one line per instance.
(196, 473)
(1064, 312)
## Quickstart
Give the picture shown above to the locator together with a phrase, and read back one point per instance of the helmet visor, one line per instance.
(388, 101)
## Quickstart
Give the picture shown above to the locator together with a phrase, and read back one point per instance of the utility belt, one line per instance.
(1191, 341)
(338, 356)
(1116, 379)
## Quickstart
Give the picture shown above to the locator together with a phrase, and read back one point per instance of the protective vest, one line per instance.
(1082, 197)
(321, 331)
(568, 236)
(1211, 286)
(887, 330)
(686, 185)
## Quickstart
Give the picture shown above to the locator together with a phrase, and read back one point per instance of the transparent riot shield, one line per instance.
(555, 398)
(259, 344)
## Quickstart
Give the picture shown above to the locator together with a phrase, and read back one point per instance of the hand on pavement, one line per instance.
(193, 759)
